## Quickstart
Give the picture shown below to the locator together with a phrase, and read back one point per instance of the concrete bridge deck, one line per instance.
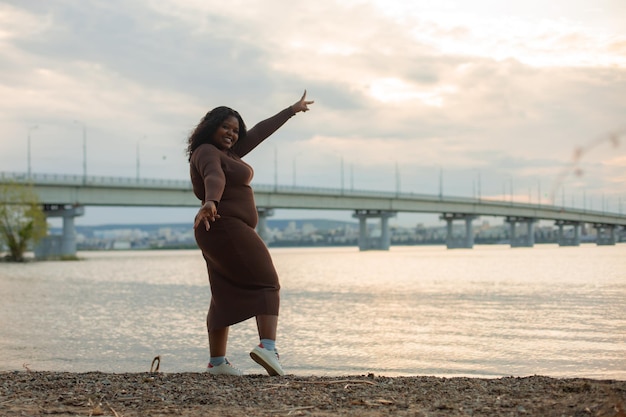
(73, 191)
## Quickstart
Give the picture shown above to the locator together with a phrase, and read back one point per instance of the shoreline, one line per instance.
(199, 394)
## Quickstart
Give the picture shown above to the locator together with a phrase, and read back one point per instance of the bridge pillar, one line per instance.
(524, 241)
(605, 234)
(573, 240)
(261, 227)
(365, 241)
(466, 241)
(64, 245)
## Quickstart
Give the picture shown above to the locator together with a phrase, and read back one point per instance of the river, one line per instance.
(490, 311)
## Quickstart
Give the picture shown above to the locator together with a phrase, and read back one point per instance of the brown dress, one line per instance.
(244, 282)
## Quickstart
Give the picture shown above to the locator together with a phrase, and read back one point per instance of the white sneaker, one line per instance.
(224, 369)
(267, 359)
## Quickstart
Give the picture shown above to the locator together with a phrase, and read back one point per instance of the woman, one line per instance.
(243, 279)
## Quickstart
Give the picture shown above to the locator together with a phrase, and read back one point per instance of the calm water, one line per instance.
(491, 311)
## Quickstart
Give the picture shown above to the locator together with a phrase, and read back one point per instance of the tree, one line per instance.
(22, 220)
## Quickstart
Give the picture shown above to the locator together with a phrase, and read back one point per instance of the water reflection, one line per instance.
(490, 311)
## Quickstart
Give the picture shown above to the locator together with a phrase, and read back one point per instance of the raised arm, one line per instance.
(265, 128)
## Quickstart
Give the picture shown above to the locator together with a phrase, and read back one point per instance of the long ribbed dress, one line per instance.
(243, 280)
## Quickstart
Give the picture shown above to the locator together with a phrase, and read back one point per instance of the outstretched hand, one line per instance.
(302, 104)
(208, 212)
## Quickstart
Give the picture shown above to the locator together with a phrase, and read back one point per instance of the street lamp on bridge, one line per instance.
(84, 149)
(138, 158)
(294, 168)
(30, 129)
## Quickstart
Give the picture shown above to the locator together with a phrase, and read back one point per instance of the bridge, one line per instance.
(67, 195)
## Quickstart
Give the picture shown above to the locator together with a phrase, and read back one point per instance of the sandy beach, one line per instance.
(27, 393)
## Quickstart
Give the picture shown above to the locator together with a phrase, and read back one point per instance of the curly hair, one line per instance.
(203, 133)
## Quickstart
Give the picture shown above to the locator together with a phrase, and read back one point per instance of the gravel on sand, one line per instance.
(27, 393)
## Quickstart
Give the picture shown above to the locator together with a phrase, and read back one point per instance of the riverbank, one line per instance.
(26, 393)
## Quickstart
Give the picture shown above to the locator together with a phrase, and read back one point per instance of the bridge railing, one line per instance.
(106, 181)
(288, 189)
(174, 184)
(92, 180)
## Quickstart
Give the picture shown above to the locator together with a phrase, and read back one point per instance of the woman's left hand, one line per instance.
(302, 104)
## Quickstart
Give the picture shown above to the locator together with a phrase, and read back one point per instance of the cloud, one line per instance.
(402, 90)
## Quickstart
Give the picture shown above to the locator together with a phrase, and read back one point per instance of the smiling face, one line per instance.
(227, 133)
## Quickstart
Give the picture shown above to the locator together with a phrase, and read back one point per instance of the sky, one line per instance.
(517, 100)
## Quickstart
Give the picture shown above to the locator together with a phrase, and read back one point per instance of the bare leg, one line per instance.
(217, 344)
(217, 341)
(266, 326)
